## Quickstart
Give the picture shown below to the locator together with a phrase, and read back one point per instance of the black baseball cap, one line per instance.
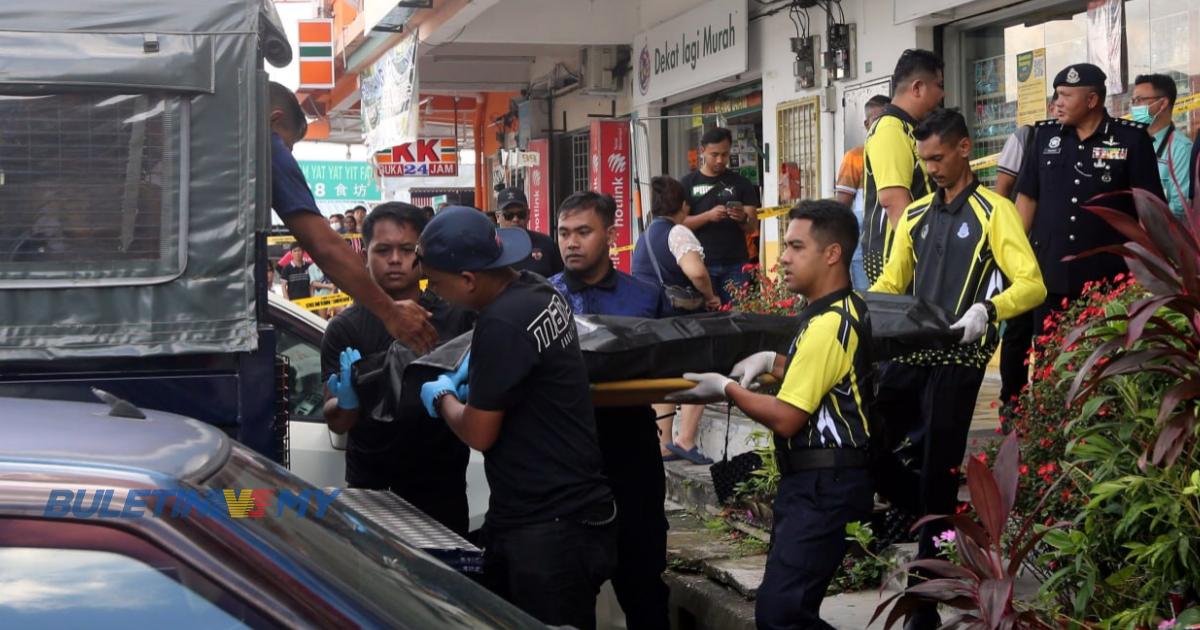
(1081, 75)
(461, 239)
(511, 197)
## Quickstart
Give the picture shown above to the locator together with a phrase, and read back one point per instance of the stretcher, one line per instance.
(414, 527)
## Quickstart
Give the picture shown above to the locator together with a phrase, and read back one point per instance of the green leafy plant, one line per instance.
(1129, 559)
(861, 569)
(980, 585)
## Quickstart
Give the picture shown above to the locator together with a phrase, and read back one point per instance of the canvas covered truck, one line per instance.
(134, 203)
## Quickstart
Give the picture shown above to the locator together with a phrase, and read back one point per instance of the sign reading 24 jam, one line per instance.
(706, 44)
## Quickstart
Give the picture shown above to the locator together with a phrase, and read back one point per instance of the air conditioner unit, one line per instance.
(602, 69)
(534, 117)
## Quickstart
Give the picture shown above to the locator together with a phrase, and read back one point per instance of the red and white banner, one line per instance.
(537, 182)
(426, 157)
(610, 174)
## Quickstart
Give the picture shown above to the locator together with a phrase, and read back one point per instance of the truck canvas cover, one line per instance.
(133, 170)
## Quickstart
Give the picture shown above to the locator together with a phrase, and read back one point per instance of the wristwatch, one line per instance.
(991, 310)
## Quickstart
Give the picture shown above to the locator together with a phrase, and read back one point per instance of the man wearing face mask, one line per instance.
(1153, 103)
(1070, 160)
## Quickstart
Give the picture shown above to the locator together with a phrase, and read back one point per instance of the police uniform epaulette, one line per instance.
(1133, 123)
(1048, 121)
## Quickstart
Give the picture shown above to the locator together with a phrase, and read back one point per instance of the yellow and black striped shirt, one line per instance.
(961, 253)
(821, 377)
(889, 161)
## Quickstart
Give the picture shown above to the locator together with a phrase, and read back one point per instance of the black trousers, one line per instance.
(551, 570)
(808, 541)
(942, 399)
(1014, 350)
(633, 464)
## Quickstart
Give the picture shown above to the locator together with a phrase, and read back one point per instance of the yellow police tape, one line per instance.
(333, 300)
(620, 250)
(288, 238)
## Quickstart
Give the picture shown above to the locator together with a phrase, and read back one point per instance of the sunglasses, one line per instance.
(514, 216)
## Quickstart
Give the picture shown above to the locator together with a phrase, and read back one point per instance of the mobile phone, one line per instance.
(734, 205)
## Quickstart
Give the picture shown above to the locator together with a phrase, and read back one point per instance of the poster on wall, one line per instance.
(389, 93)
(537, 181)
(1031, 86)
(609, 174)
(1105, 36)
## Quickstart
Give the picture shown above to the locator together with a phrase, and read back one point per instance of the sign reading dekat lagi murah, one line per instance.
(705, 44)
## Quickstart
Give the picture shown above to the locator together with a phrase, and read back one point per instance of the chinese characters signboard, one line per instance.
(340, 181)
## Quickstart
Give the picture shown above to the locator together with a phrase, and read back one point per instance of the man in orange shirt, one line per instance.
(849, 187)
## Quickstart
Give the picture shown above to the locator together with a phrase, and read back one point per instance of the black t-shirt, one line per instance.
(297, 280)
(544, 259)
(525, 361)
(412, 443)
(724, 242)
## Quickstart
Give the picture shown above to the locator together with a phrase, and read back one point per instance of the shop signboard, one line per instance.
(609, 174)
(1031, 86)
(316, 53)
(538, 183)
(340, 181)
(423, 157)
(706, 44)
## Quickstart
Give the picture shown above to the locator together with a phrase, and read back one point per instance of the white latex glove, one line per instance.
(973, 323)
(710, 387)
(753, 367)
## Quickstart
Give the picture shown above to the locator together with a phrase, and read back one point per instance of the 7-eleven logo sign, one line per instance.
(426, 157)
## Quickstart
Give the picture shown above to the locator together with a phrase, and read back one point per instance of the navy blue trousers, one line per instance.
(808, 542)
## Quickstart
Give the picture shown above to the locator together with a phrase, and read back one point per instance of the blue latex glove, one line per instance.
(460, 375)
(434, 389)
(463, 393)
(340, 384)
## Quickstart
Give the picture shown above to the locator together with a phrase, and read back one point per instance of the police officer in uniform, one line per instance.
(1082, 153)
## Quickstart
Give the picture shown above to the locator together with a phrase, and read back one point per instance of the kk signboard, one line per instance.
(425, 157)
(609, 174)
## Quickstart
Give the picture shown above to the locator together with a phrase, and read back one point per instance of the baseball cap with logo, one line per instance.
(511, 197)
(463, 239)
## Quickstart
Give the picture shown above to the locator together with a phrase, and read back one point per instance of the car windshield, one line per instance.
(399, 582)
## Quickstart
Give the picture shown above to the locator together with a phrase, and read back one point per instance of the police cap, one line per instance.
(1081, 75)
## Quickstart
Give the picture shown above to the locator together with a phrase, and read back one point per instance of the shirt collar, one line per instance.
(939, 199)
(899, 113)
(1101, 132)
(575, 284)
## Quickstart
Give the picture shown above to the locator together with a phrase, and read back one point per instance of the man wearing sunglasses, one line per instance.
(513, 212)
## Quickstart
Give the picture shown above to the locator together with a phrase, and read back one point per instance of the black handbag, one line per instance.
(682, 299)
(728, 474)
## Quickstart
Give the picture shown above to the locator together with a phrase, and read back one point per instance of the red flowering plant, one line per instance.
(1131, 558)
(1108, 427)
(1042, 413)
(763, 294)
